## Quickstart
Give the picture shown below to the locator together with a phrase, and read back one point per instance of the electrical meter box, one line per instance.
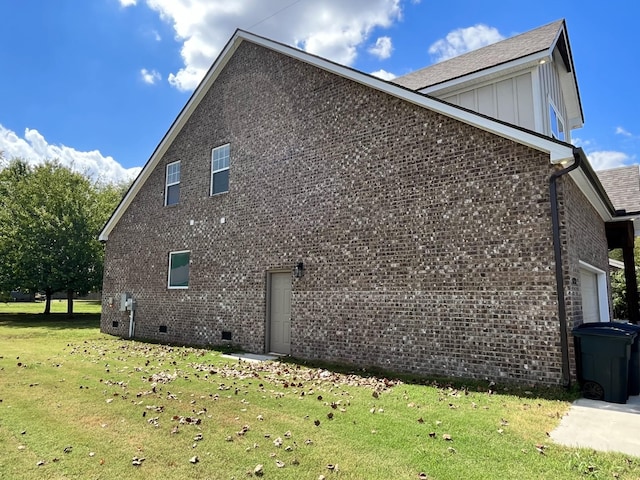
(125, 302)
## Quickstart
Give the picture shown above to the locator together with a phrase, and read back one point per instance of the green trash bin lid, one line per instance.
(626, 336)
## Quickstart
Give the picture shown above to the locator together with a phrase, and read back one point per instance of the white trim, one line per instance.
(559, 121)
(558, 152)
(590, 193)
(603, 295)
(213, 172)
(536, 90)
(166, 181)
(511, 68)
(176, 287)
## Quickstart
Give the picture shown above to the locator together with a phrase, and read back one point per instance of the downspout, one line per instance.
(562, 308)
(132, 325)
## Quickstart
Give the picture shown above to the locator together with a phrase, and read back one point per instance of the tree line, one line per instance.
(50, 218)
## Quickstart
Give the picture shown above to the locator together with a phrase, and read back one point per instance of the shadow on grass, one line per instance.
(463, 384)
(56, 321)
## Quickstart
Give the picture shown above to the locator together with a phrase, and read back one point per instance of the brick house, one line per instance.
(437, 224)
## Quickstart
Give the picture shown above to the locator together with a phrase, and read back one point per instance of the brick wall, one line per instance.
(426, 242)
(584, 239)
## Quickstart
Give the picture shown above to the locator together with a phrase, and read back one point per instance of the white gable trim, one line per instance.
(558, 152)
(504, 69)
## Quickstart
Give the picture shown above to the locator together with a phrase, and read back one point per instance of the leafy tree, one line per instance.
(49, 228)
(619, 295)
(619, 282)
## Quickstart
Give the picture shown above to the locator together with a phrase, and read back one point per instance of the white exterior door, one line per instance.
(590, 296)
(280, 313)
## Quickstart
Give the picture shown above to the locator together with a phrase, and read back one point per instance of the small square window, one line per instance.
(179, 269)
(172, 185)
(220, 169)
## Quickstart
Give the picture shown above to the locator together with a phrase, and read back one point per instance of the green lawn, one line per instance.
(75, 403)
(57, 306)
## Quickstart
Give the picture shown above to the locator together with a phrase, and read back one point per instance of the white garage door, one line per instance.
(590, 300)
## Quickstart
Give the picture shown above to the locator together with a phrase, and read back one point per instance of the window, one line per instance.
(172, 188)
(556, 123)
(220, 169)
(179, 269)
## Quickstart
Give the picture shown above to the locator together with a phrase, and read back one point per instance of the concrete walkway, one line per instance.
(601, 426)
(250, 357)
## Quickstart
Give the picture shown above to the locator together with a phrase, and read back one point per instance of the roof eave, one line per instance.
(559, 152)
(173, 131)
(518, 64)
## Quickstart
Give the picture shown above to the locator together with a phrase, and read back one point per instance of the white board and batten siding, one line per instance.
(510, 100)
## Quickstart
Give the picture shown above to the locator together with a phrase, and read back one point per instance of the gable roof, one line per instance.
(525, 51)
(559, 152)
(623, 187)
(537, 41)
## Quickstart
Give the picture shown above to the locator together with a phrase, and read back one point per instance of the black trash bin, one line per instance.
(634, 360)
(602, 358)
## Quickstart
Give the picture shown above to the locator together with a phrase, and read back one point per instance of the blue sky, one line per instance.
(97, 83)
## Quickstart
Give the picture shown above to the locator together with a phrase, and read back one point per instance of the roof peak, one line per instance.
(539, 39)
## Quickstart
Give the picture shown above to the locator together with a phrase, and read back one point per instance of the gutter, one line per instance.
(557, 249)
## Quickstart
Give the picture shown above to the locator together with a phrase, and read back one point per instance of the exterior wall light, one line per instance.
(298, 270)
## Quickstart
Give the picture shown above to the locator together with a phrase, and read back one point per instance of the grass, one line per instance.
(57, 306)
(75, 403)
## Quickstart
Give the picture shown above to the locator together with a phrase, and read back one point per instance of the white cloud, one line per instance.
(605, 159)
(383, 48)
(34, 149)
(150, 77)
(464, 40)
(128, 3)
(622, 131)
(384, 75)
(334, 29)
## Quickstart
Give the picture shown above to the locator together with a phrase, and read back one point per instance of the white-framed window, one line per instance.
(172, 184)
(178, 276)
(220, 169)
(556, 123)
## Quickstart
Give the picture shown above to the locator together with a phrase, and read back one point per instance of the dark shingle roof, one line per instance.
(528, 43)
(623, 187)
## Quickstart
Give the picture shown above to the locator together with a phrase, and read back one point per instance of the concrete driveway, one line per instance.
(601, 426)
